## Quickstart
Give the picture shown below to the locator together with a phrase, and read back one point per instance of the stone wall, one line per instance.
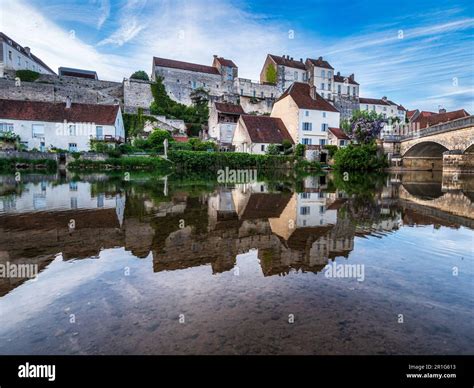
(28, 155)
(54, 88)
(458, 163)
(137, 94)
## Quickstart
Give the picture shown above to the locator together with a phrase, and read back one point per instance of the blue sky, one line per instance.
(418, 53)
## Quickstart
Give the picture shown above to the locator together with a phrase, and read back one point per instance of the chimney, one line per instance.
(291, 58)
(27, 51)
(301, 60)
(312, 92)
(441, 110)
(68, 102)
(351, 77)
(320, 58)
(339, 73)
(384, 98)
(215, 55)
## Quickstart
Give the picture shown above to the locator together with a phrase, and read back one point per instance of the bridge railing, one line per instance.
(439, 128)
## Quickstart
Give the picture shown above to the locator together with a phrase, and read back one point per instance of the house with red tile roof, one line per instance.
(43, 125)
(424, 120)
(337, 137)
(254, 134)
(383, 106)
(306, 114)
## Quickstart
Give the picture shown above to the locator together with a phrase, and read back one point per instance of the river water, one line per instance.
(145, 264)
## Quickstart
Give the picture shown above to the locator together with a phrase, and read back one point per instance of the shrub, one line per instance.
(273, 149)
(213, 161)
(123, 163)
(140, 74)
(361, 157)
(299, 150)
(157, 137)
(331, 149)
(27, 75)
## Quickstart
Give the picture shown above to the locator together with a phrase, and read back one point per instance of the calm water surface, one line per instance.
(183, 265)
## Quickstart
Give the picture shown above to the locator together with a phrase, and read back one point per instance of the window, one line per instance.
(271, 95)
(73, 202)
(38, 130)
(306, 113)
(72, 147)
(324, 127)
(367, 107)
(99, 132)
(329, 86)
(261, 94)
(72, 130)
(354, 91)
(339, 89)
(348, 90)
(73, 186)
(177, 80)
(321, 209)
(6, 127)
(322, 142)
(306, 141)
(193, 84)
(241, 92)
(324, 114)
(307, 126)
(19, 61)
(296, 76)
(342, 142)
(323, 73)
(305, 195)
(305, 210)
(322, 95)
(384, 108)
(254, 93)
(10, 55)
(373, 108)
(322, 86)
(262, 147)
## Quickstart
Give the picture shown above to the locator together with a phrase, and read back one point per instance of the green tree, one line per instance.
(140, 74)
(158, 136)
(271, 74)
(273, 149)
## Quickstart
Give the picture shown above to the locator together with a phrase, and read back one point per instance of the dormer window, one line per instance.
(323, 73)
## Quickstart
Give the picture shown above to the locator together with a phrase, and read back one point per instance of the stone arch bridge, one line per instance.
(448, 147)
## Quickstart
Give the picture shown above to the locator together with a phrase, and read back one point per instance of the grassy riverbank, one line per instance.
(23, 164)
(197, 161)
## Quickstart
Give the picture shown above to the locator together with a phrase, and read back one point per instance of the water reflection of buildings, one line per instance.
(38, 220)
(290, 231)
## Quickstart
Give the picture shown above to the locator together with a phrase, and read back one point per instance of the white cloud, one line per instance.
(56, 46)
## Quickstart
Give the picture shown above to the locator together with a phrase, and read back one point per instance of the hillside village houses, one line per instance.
(308, 96)
(70, 126)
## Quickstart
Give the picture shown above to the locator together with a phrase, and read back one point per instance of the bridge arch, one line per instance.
(426, 149)
(469, 150)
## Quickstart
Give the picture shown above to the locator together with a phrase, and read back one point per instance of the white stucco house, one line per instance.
(254, 134)
(44, 125)
(384, 107)
(306, 115)
(16, 57)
